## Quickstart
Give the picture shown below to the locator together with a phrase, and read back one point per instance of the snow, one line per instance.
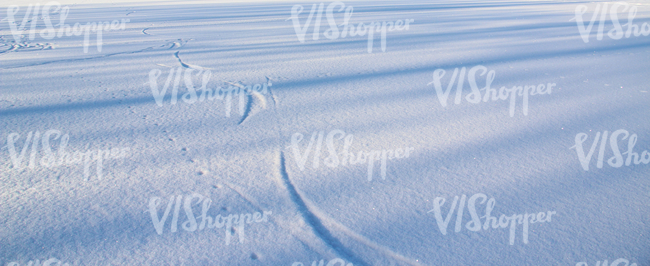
(238, 152)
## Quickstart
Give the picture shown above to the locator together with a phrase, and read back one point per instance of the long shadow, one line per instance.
(522, 198)
(299, 84)
(543, 135)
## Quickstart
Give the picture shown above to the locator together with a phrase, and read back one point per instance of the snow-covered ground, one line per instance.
(207, 133)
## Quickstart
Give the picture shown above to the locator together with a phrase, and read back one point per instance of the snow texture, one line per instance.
(207, 133)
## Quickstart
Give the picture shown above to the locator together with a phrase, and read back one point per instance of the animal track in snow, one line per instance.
(13, 46)
(169, 45)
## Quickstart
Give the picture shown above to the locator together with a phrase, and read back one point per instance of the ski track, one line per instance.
(274, 219)
(317, 226)
(247, 109)
(275, 101)
(185, 65)
(314, 216)
(181, 61)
